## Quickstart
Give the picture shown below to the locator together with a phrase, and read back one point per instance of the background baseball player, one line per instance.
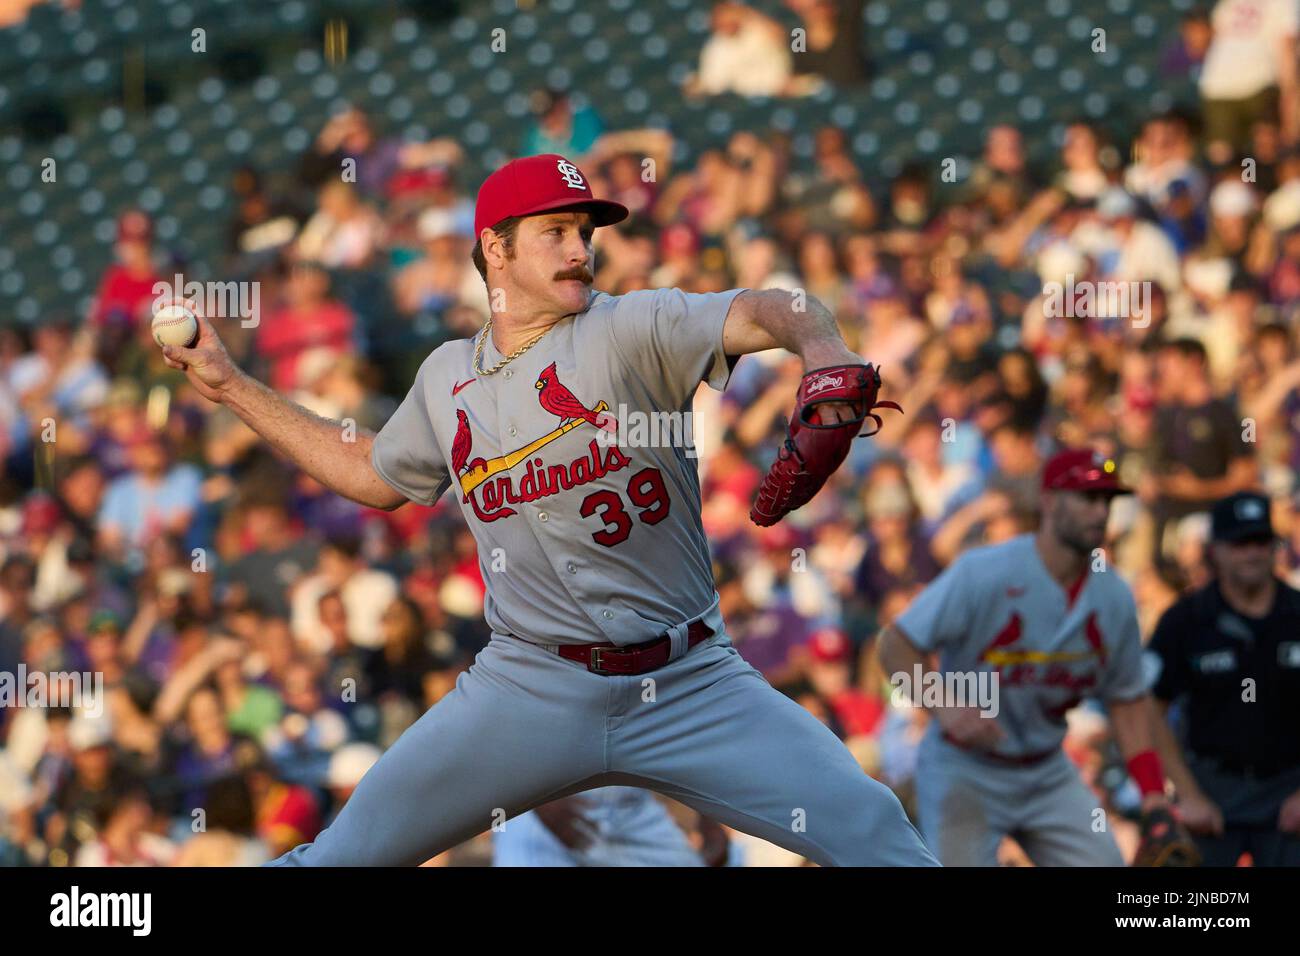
(1055, 627)
(1228, 655)
(609, 826)
(606, 574)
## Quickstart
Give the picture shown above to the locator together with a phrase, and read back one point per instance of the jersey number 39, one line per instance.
(647, 491)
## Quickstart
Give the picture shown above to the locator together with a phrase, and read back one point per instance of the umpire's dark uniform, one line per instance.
(1244, 754)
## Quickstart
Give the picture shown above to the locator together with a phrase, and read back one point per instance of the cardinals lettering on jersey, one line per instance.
(488, 486)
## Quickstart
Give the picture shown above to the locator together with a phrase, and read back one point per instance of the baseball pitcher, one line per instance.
(1042, 624)
(609, 662)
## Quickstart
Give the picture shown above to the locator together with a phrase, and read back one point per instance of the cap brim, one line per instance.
(1112, 490)
(603, 212)
(1243, 532)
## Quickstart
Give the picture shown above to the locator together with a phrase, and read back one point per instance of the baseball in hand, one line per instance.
(175, 325)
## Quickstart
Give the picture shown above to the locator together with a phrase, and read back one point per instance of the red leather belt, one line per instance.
(610, 660)
(1020, 760)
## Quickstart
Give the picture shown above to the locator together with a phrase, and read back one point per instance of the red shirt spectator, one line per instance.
(128, 284)
(308, 321)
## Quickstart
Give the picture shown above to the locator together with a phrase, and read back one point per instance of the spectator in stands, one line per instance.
(1003, 165)
(560, 128)
(127, 287)
(308, 319)
(1083, 175)
(156, 497)
(344, 233)
(832, 45)
(123, 836)
(347, 150)
(1198, 451)
(366, 594)
(1183, 59)
(443, 275)
(1249, 74)
(228, 839)
(747, 53)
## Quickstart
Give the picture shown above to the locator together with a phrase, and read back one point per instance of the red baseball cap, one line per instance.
(525, 187)
(830, 646)
(1082, 469)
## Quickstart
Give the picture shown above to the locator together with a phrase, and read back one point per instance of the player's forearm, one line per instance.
(336, 455)
(1171, 757)
(1134, 725)
(794, 321)
(898, 655)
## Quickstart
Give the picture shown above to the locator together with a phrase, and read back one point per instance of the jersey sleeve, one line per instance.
(405, 452)
(1165, 656)
(941, 614)
(673, 339)
(1124, 677)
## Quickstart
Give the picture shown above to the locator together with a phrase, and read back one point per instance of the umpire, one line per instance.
(1229, 653)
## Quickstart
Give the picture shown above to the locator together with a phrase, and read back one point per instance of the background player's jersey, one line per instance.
(628, 827)
(996, 609)
(580, 538)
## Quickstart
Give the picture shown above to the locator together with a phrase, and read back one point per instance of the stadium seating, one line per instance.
(944, 72)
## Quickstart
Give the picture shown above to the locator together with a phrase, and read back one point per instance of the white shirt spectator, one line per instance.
(366, 596)
(1242, 58)
(1148, 254)
(747, 62)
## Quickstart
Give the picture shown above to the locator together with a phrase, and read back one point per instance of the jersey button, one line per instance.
(573, 568)
(512, 431)
(509, 373)
(607, 615)
(542, 516)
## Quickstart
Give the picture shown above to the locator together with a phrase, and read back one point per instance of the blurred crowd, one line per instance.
(261, 641)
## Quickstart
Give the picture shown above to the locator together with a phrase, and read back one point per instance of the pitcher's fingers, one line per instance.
(175, 353)
(207, 332)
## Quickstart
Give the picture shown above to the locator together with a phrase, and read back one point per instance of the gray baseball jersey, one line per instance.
(610, 536)
(996, 610)
(584, 540)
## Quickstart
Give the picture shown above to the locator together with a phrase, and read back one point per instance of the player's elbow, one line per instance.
(896, 652)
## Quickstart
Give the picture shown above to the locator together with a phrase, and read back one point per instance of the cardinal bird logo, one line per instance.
(558, 400)
(461, 444)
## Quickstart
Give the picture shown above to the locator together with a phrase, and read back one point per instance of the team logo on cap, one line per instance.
(572, 175)
(1249, 509)
(1101, 461)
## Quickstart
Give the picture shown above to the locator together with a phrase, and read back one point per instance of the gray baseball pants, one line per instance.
(967, 804)
(524, 726)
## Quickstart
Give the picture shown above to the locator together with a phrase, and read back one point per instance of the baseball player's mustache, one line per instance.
(582, 273)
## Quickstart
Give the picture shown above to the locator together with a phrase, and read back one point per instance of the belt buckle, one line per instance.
(593, 662)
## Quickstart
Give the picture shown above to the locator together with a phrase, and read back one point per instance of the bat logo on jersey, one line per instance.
(1018, 665)
(539, 480)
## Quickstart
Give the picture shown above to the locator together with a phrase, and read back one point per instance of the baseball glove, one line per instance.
(812, 450)
(1165, 842)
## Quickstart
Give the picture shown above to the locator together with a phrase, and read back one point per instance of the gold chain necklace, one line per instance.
(478, 350)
